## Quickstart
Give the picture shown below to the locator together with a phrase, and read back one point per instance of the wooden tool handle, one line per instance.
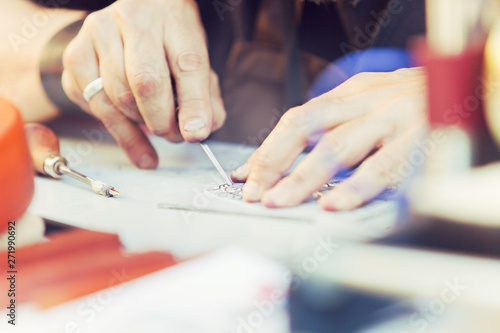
(42, 142)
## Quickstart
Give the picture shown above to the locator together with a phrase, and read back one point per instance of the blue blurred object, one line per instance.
(370, 60)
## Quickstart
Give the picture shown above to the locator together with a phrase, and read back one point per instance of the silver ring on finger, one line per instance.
(92, 89)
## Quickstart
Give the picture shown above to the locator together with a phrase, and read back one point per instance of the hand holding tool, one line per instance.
(44, 150)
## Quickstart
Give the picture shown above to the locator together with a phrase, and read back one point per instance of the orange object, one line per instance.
(73, 264)
(16, 172)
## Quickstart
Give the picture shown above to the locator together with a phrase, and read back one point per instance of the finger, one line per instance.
(219, 111)
(148, 76)
(342, 147)
(188, 58)
(73, 92)
(127, 134)
(291, 135)
(298, 128)
(81, 61)
(109, 48)
(374, 175)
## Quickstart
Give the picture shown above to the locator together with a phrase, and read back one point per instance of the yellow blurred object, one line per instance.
(492, 90)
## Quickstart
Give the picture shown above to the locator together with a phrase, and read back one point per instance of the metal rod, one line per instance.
(97, 186)
(75, 174)
(215, 162)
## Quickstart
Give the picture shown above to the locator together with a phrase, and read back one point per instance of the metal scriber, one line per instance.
(215, 162)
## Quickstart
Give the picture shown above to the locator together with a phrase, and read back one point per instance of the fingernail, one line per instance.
(275, 198)
(251, 191)
(147, 161)
(194, 125)
(241, 172)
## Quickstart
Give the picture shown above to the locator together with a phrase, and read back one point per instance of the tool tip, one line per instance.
(104, 189)
(114, 193)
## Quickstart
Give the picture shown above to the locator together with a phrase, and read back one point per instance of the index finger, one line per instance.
(188, 59)
(281, 148)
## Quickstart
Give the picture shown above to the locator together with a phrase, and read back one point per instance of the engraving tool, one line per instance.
(44, 150)
(215, 162)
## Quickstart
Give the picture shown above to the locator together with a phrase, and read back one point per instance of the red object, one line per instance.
(16, 172)
(455, 87)
(76, 263)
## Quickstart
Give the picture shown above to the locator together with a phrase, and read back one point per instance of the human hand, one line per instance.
(384, 111)
(136, 47)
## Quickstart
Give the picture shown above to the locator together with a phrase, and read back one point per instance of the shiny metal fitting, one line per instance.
(51, 165)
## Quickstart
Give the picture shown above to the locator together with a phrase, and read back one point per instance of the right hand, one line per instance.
(136, 46)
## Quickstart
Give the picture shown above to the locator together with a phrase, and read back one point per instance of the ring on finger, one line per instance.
(92, 89)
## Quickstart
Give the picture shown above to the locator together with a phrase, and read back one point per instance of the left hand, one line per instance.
(384, 111)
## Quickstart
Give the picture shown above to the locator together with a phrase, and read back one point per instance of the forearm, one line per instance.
(27, 28)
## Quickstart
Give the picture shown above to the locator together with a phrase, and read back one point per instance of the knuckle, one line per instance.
(354, 187)
(96, 22)
(195, 103)
(92, 20)
(293, 118)
(214, 79)
(71, 55)
(109, 118)
(220, 120)
(381, 167)
(125, 99)
(299, 177)
(173, 137)
(192, 62)
(367, 76)
(125, 11)
(146, 84)
(69, 87)
(303, 121)
(159, 131)
(261, 160)
(403, 72)
(335, 149)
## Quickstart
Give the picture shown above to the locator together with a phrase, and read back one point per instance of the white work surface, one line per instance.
(168, 208)
(229, 290)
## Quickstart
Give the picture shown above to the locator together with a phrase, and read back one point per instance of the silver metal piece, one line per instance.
(215, 162)
(64, 169)
(51, 165)
(103, 189)
(234, 191)
(97, 186)
(92, 89)
(227, 191)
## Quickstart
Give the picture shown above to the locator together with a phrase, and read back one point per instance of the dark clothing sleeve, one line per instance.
(404, 20)
(89, 5)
